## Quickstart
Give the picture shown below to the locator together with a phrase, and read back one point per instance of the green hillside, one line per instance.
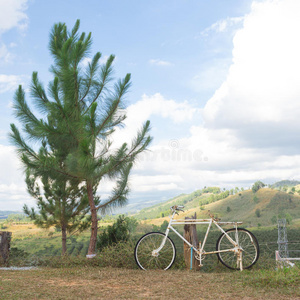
(254, 209)
(287, 183)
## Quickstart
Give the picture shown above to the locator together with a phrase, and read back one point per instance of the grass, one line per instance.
(114, 283)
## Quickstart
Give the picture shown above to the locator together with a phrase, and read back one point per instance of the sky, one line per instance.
(219, 81)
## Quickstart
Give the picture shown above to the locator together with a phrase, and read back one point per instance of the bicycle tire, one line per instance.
(248, 243)
(143, 252)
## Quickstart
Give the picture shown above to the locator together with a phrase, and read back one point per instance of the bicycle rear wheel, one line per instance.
(148, 259)
(246, 240)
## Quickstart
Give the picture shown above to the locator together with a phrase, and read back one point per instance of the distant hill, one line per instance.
(254, 209)
(282, 183)
(5, 213)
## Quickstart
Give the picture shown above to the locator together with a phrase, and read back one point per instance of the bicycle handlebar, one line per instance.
(177, 207)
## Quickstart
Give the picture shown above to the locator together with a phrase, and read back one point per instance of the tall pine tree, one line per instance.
(80, 112)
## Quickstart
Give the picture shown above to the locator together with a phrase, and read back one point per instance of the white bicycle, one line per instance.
(237, 248)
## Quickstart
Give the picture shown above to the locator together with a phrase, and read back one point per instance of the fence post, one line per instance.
(190, 234)
(5, 238)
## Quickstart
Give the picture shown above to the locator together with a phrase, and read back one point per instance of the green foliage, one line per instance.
(162, 227)
(273, 279)
(274, 220)
(255, 199)
(17, 218)
(214, 190)
(120, 231)
(282, 183)
(228, 209)
(3, 226)
(257, 185)
(258, 213)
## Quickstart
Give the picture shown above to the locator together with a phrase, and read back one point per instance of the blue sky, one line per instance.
(219, 81)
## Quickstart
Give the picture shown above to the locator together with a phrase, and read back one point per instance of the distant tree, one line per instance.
(257, 185)
(274, 219)
(255, 199)
(228, 209)
(288, 218)
(257, 213)
(17, 218)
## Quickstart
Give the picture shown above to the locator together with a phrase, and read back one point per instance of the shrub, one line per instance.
(120, 231)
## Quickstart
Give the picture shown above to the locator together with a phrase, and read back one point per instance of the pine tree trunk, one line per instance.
(64, 239)
(94, 228)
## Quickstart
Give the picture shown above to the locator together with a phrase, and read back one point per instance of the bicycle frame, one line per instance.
(236, 248)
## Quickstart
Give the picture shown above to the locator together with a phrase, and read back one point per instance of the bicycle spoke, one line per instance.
(247, 244)
(145, 256)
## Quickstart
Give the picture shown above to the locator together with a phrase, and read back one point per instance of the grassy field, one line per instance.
(114, 283)
(113, 274)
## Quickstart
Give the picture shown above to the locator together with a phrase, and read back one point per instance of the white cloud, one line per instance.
(13, 192)
(12, 14)
(159, 62)
(211, 76)
(260, 97)
(5, 55)
(252, 120)
(222, 26)
(146, 183)
(150, 106)
(9, 82)
(156, 104)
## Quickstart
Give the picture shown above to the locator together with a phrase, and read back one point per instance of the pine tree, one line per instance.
(82, 111)
(62, 204)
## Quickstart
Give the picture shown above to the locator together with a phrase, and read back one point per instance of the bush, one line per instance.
(120, 231)
(257, 213)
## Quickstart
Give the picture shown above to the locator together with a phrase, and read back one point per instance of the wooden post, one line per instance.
(5, 238)
(190, 234)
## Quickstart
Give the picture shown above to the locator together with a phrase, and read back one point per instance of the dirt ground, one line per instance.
(109, 283)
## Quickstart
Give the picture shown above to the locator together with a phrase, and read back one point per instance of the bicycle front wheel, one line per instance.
(148, 258)
(246, 241)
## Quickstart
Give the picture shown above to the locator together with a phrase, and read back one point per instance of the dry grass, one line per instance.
(109, 283)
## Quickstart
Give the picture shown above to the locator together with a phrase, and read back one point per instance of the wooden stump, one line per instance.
(190, 234)
(5, 238)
